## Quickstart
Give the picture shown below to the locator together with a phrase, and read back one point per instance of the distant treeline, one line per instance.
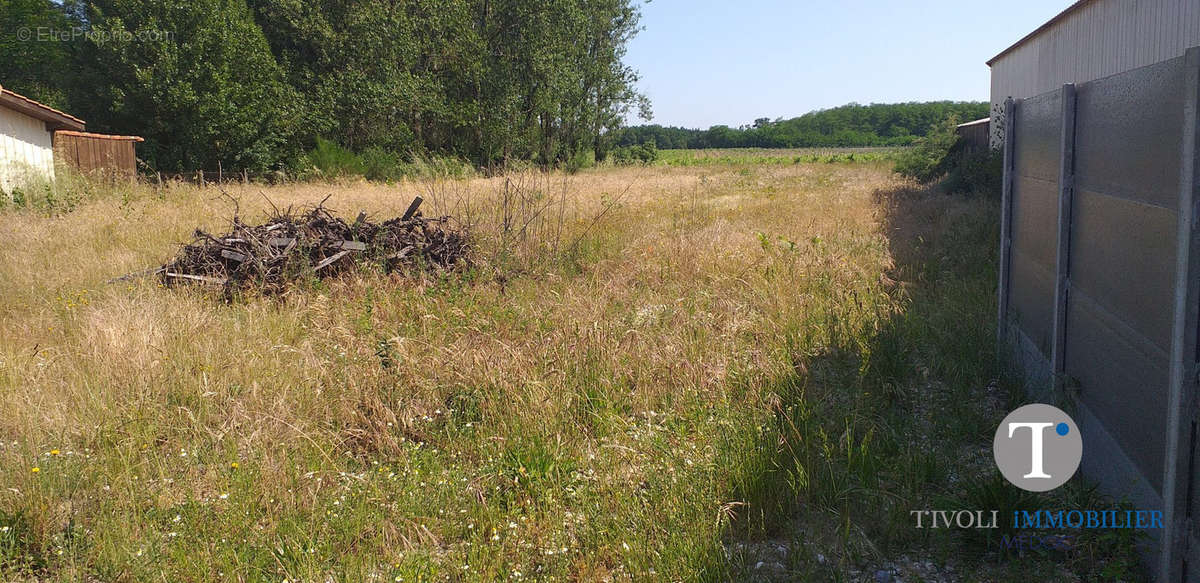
(253, 84)
(878, 124)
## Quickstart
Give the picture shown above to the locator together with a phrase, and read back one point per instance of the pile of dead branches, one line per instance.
(313, 242)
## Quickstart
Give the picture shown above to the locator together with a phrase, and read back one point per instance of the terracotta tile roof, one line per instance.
(27, 106)
(101, 136)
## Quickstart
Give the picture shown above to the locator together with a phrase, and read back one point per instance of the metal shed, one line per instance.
(974, 134)
(1098, 111)
(1090, 40)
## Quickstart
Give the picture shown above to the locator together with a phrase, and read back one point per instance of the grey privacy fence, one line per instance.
(1099, 275)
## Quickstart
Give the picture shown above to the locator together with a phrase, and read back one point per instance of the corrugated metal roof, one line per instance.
(35, 109)
(1041, 29)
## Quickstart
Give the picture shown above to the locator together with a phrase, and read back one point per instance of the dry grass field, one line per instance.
(650, 373)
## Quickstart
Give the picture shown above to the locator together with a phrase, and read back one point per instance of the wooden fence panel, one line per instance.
(97, 153)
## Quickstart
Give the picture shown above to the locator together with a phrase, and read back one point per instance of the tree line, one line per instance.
(255, 83)
(878, 124)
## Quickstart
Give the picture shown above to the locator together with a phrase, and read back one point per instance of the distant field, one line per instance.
(755, 156)
(730, 370)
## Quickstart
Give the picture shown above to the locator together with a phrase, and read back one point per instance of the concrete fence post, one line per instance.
(1179, 471)
(1066, 191)
(1006, 204)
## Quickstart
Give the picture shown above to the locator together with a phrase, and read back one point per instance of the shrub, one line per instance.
(330, 160)
(440, 167)
(382, 165)
(582, 158)
(978, 172)
(940, 155)
(621, 155)
(925, 161)
(645, 154)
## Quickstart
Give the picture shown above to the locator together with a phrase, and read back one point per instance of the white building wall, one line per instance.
(1098, 39)
(26, 150)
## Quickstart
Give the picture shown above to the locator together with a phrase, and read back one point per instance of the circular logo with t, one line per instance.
(1037, 447)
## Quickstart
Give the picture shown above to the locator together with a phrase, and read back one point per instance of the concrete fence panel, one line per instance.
(1100, 278)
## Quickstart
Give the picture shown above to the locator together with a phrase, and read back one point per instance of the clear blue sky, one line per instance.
(707, 62)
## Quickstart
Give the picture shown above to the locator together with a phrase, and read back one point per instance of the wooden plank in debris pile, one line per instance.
(281, 241)
(200, 278)
(234, 255)
(137, 274)
(331, 259)
(412, 208)
(401, 253)
(362, 216)
(350, 245)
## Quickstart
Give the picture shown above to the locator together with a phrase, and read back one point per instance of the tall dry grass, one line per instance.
(605, 395)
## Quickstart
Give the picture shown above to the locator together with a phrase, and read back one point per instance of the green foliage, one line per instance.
(329, 160)
(580, 160)
(37, 68)
(941, 155)
(644, 154)
(774, 157)
(926, 160)
(19, 547)
(975, 172)
(852, 125)
(489, 81)
(382, 165)
(252, 83)
(196, 79)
